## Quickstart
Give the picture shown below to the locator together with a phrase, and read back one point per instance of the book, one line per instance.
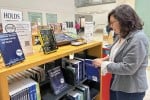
(83, 67)
(73, 95)
(69, 75)
(72, 70)
(77, 64)
(92, 73)
(25, 89)
(87, 89)
(11, 49)
(48, 41)
(57, 81)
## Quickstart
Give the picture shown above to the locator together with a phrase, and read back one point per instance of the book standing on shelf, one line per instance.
(25, 89)
(57, 81)
(48, 41)
(92, 73)
(10, 48)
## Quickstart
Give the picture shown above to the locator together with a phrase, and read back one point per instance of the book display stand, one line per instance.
(38, 58)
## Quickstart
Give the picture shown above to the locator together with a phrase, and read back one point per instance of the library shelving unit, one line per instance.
(37, 58)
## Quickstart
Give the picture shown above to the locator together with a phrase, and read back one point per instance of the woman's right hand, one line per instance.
(98, 61)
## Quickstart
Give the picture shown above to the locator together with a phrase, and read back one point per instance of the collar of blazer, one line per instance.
(127, 40)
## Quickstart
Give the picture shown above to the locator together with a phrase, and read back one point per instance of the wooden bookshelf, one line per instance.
(38, 58)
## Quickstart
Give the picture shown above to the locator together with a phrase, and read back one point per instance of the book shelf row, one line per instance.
(55, 79)
(38, 59)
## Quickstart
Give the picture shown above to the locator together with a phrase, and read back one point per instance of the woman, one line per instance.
(77, 26)
(128, 56)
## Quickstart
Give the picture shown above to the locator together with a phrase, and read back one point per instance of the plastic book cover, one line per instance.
(57, 81)
(10, 48)
(48, 41)
(92, 72)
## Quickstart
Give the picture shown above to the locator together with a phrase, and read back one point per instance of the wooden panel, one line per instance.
(4, 88)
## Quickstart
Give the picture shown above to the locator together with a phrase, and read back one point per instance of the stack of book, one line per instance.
(74, 71)
(48, 41)
(25, 89)
(36, 73)
(82, 92)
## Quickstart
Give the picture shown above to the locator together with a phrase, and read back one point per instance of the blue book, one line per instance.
(10, 48)
(92, 73)
(57, 81)
(77, 64)
(83, 67)
(33, 95)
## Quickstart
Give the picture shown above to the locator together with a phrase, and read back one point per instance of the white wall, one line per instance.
(129, 2)
(64, 9)
(99, 13)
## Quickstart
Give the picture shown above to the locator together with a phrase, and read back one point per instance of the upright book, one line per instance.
(10, 48)
(57, 81)
(92, 73)
(48, 41)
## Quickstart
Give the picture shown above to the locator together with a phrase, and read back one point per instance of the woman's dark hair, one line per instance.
(128, 19)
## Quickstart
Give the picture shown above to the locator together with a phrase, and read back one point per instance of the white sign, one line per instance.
(23, 30)
(88, 31)
(11, 15)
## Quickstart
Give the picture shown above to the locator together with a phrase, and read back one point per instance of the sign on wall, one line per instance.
(11, 15)
(88, 31)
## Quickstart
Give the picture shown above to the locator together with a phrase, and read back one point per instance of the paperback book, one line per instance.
(57, 81)
(10, 48)
(48, 41)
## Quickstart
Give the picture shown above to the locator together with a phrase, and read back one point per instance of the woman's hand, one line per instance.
(98, 61)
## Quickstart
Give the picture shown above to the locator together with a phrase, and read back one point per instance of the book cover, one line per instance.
(83, 67)
(88, 97)
(92, 73)
(78, 66)
(83, 90)
(10, 48)
(48, 41)
(57, 81)
(73, 95)
(69, 75)
(23, 30)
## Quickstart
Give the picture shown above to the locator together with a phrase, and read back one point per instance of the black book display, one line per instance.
(10, 48)
(48, 41)
(57, 81)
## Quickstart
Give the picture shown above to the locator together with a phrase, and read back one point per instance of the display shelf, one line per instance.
(46, 93)
(38, 58)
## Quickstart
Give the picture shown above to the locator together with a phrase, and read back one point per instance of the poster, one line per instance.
(11, 15)
(88, 31)
(23, 30)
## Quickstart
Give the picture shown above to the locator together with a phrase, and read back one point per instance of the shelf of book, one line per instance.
(46, 92)
(38, 58)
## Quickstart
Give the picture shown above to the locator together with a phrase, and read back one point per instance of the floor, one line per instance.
(99, 37)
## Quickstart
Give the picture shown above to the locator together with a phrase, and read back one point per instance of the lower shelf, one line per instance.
(46, 93)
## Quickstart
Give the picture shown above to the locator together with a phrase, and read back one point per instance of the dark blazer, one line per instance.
(129, 67)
